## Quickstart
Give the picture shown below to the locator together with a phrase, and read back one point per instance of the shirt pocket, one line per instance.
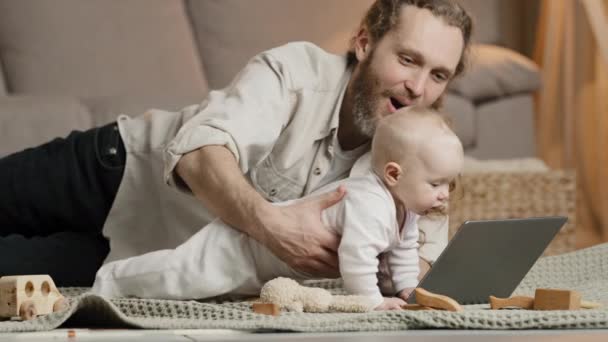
(274, 184)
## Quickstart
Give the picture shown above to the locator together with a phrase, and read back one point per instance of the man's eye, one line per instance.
(439, 77)
(407, 60)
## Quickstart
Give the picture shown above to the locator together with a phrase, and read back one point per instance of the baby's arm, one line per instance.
(357, 255)
(403, 260)
(366, 229)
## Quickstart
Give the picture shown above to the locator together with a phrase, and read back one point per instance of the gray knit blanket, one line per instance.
(584, 270)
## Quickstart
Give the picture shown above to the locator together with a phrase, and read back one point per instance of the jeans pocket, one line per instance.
(109, 147)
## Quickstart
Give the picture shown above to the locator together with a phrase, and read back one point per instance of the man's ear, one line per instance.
(392, 173)
(362, 44)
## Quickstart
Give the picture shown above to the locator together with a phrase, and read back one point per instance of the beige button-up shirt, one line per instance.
(278, 117)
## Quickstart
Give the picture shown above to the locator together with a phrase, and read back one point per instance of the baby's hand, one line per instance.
(391, 303)
(405, 293)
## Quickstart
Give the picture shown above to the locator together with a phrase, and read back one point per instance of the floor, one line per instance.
(232, 335)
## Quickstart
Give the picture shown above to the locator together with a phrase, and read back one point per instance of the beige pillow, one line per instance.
(495, 71)
(99, 48)
(230, 32)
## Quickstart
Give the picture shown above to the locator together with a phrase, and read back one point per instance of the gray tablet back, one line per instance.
(489, 258)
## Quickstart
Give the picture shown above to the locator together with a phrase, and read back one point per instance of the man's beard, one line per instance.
(365, 99)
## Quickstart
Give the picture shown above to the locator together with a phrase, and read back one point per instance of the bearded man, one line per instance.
(294, 119)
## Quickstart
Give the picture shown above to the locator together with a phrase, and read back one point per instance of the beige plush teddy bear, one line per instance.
(291, 296)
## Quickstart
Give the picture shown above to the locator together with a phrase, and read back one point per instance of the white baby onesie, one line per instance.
(220, 260)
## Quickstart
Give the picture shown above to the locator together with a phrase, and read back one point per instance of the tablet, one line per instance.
(489, 258)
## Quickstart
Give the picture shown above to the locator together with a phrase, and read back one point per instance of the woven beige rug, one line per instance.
(585, 270)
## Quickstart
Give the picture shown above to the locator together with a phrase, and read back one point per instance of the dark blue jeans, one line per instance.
(54, 201)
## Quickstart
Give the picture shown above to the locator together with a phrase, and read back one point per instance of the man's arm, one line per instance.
(293, 233)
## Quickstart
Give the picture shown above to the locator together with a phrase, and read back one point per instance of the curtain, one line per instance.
(572, 106)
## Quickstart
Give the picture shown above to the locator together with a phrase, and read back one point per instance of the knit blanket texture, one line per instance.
(584, 270)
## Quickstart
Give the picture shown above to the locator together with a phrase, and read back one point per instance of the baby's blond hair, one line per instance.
(401, 135)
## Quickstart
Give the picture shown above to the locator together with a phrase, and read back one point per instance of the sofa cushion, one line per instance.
(107, 108)
(230, 32)
(28, 121)
(495, 71)
(462, 114)
(99, 48)
(505, 128)
(514, 165)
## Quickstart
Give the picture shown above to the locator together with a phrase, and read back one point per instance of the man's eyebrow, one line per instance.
(412, 52)
(420, 58)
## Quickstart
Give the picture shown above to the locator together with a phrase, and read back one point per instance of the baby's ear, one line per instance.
(392, 173)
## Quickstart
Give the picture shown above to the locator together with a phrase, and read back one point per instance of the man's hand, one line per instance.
(385, 281)
(405, 293)
(391, 303)
(296, 235)
(293, 233)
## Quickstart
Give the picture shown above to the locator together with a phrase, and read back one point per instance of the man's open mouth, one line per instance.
(396, 103)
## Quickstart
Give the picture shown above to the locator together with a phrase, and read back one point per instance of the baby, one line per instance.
(415, 159)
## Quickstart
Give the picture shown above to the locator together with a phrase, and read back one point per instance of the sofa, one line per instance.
(72, 64)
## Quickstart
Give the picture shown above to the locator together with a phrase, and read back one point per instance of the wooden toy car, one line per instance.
(28, 296)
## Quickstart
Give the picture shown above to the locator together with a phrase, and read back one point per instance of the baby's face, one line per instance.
(425, 184)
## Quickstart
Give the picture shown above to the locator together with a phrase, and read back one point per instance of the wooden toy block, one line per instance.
(589, 305)
(552, 299)
(266, 309)
(436, 301)
(415, 307)
(522, 302)
(27, 296)
(528, 303)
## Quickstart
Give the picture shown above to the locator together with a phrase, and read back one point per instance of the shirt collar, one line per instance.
(334, 120)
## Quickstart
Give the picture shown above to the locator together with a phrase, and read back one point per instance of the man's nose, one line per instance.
(444, 193)
(415, 85)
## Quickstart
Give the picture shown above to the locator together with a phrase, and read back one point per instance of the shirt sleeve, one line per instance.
(247, 117)
(433, 237)
(365, 235)
(403, 259)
